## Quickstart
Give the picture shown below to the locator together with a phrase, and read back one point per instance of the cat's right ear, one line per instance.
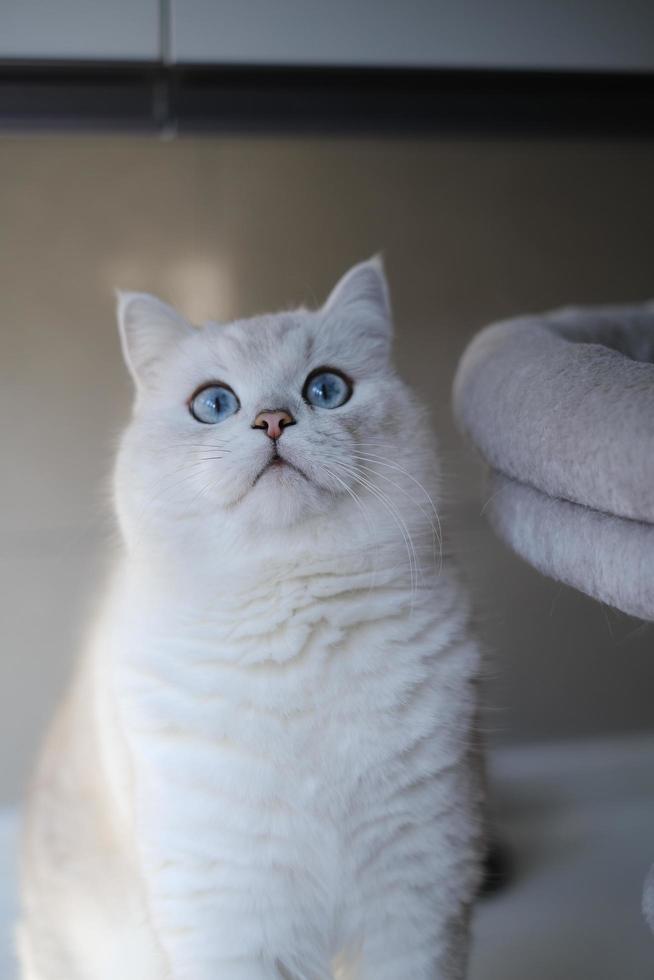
(148, 329)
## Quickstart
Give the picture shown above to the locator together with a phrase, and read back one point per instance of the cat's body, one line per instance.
(266, 765)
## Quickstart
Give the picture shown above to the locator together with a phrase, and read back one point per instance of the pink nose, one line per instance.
(274, 423)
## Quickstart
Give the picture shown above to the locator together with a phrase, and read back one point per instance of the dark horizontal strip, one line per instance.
(314, 100)
(80, 96)
(365, 101)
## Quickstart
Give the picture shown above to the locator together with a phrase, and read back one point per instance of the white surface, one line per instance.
(584, 34)
(579, 820)
(89, 29)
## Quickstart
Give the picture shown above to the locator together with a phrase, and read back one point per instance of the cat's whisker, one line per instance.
(167, 488)
(436, 527)
(203, 491)
(193, 466)
(206, 459)
(357, 500)
(408, 540)
(432, 518)
(384, 462)
(384, 459)
(395, 515)
(214, 444)
(436, 546)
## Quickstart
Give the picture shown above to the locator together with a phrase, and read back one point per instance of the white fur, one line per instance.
(266, 766)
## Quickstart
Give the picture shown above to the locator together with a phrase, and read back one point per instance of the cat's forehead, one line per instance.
(270, 339)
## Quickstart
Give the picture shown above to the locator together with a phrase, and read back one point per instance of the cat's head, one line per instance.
(260, 423)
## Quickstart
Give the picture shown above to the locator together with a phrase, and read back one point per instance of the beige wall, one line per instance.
(471, 231)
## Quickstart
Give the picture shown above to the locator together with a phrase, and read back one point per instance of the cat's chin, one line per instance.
(283, 495)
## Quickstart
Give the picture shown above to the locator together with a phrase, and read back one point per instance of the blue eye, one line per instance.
(215, 403)
(327, 389)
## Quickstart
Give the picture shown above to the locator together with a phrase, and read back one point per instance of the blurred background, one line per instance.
(234, 158)
(472, 230)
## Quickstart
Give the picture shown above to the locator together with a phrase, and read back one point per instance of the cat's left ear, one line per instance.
(361, 300)
(149, 331)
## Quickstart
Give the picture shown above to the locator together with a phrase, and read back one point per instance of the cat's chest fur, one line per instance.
(268, 735)
(298, 676)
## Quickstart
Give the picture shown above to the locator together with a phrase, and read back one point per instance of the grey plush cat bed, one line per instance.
(561, 407)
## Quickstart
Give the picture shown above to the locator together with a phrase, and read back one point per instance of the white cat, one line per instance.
(265, 767)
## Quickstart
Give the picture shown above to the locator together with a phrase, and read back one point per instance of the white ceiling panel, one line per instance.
(122, 30)
(548, 34)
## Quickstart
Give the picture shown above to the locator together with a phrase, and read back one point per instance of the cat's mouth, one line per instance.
(278, 462)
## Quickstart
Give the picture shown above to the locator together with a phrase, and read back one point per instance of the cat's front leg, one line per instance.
(207, 967)
(254, 967)
(418, 894)
(266, 929)
(246, 969)
(399, 948)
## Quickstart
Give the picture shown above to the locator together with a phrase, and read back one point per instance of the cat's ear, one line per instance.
(148, 329)
(361, 299)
